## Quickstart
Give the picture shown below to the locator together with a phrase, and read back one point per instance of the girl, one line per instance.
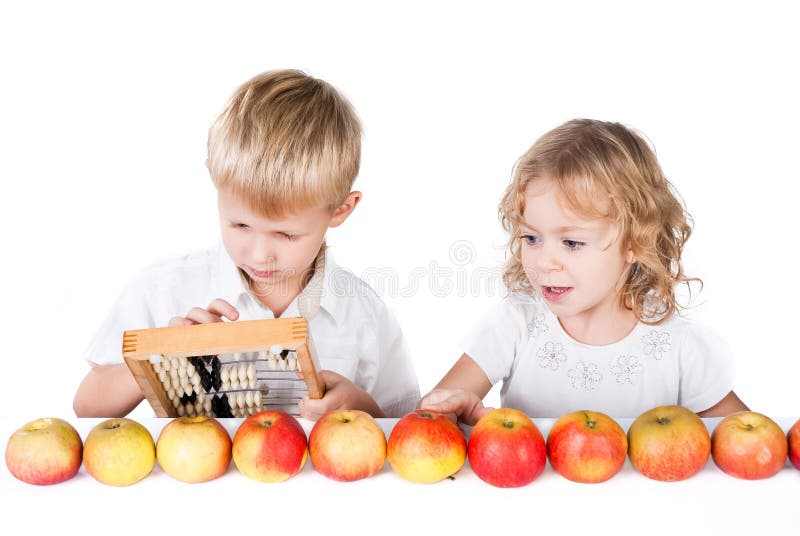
(591, 319)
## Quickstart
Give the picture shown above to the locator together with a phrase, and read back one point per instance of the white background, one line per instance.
(105, 110)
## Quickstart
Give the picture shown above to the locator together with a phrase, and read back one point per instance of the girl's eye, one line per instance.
(530, 239)
(574, 244)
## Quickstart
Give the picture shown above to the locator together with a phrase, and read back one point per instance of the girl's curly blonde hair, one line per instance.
(588, 159)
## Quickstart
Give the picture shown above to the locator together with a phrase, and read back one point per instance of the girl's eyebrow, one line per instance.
(562, 229)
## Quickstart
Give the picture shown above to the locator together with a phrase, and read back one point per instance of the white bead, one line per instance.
(155, 359)
(240, 400)
(207, 406)
(184, 361)
(241, 372)
(166, 365)
(167, 384)
(251, 371)
(257, 400)
(282, 364)
(181, 411)
(195, 379)
(176, 402)
(292, 362)
(190, 410)
(171, 393)
(188, 390)
(235, 384)
(157, 367)
(251, 384)
(162, 376)
(275, 349)
(226, 386)
(237, 356)
(175, 363)
(173, 373)
(248, 399)
(198, 407)
(182, 371)
(225, 373)
(273, 363)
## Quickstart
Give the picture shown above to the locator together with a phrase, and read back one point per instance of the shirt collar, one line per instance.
(319, 292)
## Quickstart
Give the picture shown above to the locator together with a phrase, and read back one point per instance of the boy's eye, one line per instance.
(530, 239)
(573, 244)
(240, 225)
(287, 236)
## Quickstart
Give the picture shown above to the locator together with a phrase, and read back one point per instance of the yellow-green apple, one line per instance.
(44, 451)
(793, 437)
(194, 449)
(506, 449)
(119, 452)
(347, 445)
(749, 445)
(587, 446)
(425, 447)
(269, 446)
(668, 443)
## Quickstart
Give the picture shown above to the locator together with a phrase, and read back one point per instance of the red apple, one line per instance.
(426, 447)
(793, 437)
(749, 445)
(119, 452)
(668, 443)
(270, 446)
(44, 451)
(506, 449)
(587, 446)
(347, 445)
(194, 449)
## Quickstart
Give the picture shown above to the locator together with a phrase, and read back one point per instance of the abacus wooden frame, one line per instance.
(213, 339)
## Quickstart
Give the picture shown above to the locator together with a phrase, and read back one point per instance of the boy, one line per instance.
(283, 157)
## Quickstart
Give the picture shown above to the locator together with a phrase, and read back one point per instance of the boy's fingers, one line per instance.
(179, 321)
(222, 308)
(201, 316)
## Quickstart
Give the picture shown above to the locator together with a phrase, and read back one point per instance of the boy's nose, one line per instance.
(264, 253)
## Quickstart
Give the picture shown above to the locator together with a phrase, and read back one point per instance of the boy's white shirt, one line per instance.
(355, 334)
(547, 373)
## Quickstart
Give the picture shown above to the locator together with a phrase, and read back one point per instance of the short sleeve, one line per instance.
(394, 387)
(707, 370)
(130, 311)
(493, 342)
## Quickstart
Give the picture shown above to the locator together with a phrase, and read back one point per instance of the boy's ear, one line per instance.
(345, 209)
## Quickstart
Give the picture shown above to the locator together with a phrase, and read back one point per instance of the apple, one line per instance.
(749, 445)
(668, 443)
(119, 452)
(347, 445)
(587, 446)
(194, 449)
(270, 446)
(44, 451)
(426, 447)
(506, 449)
(793, 437)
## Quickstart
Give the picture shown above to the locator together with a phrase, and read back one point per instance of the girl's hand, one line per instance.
(456, 404)
(213, 313)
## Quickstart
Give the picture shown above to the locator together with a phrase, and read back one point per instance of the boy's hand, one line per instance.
(457, 404)
(340, 393)
(213, 313)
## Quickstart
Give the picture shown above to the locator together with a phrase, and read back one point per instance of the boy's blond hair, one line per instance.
(285, 141)
(591, 162)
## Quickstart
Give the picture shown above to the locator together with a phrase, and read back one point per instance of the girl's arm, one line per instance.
(460, 393)
(107, 391)
(726, 406)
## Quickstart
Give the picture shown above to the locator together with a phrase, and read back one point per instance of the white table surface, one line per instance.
(387, 504)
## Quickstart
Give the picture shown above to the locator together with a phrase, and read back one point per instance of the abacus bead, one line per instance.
(181, 411)
(225, 386)
(275, 349)
(162, 376)
(292, 362)
(175, 402)
(207, 406)
(240, 399)
(237, 356)
(282, 364)
(194, 379)
(190, 410)
(251, 384)
(225, 374)
(248, 399)
(242, 373)
(166, 365)
(257, 399)
(175, 363)
(171, 393)
(251, 371)
(235, 384)
(273, 363)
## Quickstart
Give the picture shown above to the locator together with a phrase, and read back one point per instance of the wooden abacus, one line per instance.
(224, 369)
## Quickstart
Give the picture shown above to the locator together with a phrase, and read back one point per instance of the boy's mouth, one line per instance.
(554, 294)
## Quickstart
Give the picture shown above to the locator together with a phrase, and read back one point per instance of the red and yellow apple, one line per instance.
(668, 443)
(119, 452)
(194, 449)
(270, 446)
(749, 445)
(506, 449)
(44, 451)
(347, 445)
(426, 447)
(587, 446)
(793, 437)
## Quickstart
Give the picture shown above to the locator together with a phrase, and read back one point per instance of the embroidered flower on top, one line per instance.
(537, 326)
(551, 355)
(585, 376)
(626, 367)
(657, 344)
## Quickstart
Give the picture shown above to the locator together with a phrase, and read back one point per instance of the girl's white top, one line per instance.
(546, 373)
